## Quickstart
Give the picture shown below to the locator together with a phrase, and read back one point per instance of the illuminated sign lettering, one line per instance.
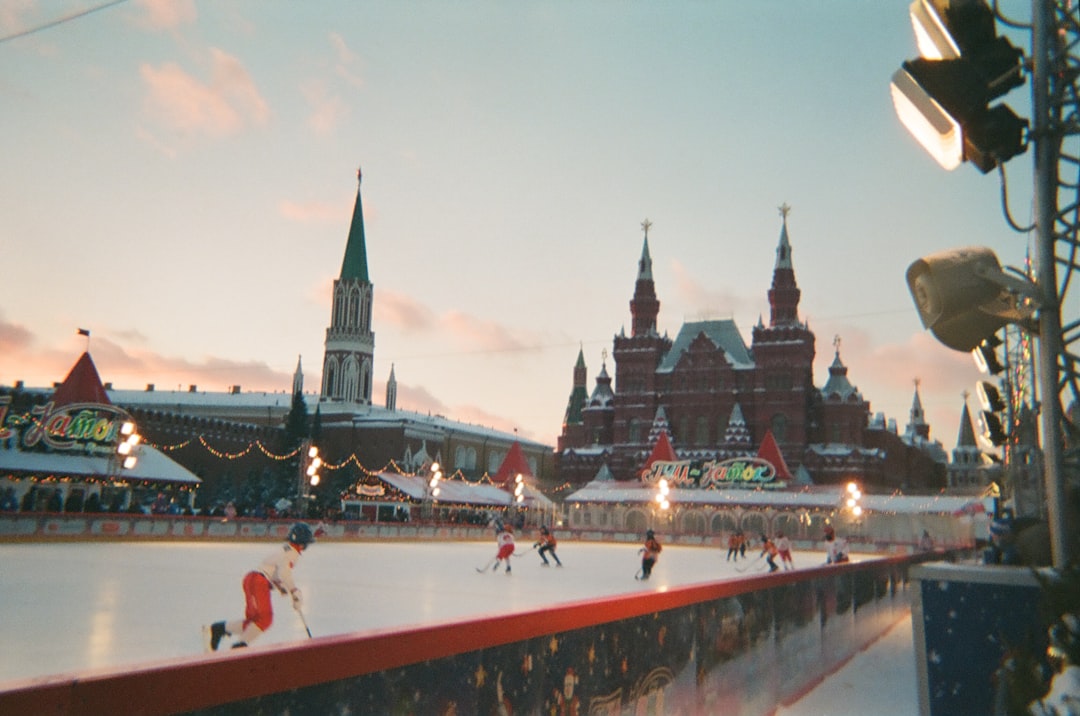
(752, 472)
(88, 427)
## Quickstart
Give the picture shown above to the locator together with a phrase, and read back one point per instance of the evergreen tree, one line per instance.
(296, 422)
(316, 425)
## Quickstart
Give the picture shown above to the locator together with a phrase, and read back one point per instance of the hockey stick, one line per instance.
(303, 621)
(740, 571)
(487, 566)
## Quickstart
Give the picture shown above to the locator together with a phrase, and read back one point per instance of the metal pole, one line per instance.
(1050, 340)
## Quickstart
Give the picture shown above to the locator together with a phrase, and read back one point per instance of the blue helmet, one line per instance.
(301, 534)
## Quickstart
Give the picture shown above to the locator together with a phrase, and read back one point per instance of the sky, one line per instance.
(179, 178)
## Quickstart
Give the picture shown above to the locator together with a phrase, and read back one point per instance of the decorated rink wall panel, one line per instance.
(721, 648)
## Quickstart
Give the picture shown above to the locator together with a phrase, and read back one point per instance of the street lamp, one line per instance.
(853, 502)
(433, 489)
(314, 462)
(519, 488)
(126, 449)
(662, 492)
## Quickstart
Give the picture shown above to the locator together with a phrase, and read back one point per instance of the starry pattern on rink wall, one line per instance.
(743, 653)
(968, 621)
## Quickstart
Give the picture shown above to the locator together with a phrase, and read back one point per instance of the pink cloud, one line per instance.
(347, 61)
(166, 14)
(14, 337)
(713, 301)
(399, 310)
(481, 335)
(327, 111)
(321, 212)
(224, 106)
(420, 400)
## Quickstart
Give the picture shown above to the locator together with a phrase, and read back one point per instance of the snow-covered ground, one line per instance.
(78, 606)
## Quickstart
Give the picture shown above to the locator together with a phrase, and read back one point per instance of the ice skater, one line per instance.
(836, 548)
(783, 547)
(649, 554)
(769, 552)
(733, 546)
(505, 542)
(274, 571)
(547, 543)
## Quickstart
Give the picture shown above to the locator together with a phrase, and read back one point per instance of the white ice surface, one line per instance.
(86, 606)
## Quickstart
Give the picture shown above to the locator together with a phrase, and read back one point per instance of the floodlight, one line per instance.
(943, 104)
(989, 396)
(992, 428)
(963, 296)
(129, 462)
(997, 137)
(931, 33)
(948, 29)
(985, 355)
(927, 121)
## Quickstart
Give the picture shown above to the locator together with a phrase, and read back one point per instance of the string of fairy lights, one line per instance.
(352, 459)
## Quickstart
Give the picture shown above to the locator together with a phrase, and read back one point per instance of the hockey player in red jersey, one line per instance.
(505, 541)
(274, 571)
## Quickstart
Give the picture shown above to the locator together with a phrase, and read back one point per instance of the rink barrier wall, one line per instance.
(740, 647)
(53, 527)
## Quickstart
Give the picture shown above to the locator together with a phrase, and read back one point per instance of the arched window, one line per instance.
(350, 379)
(354, 307)
(701, 433)
(636, 521)
(754, 526)
(330, 378)
(339, 306)
(779, 425)
(365, 383)
(634, 429)
(694, 523)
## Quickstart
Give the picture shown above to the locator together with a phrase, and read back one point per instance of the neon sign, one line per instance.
(751, 472)
(89, 427)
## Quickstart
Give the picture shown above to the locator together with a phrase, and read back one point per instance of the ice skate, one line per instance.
(213, 634)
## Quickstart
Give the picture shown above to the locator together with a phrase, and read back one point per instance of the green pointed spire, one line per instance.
(354, 266)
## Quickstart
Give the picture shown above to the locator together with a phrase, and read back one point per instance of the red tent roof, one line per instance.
(514, 463)
(82, 385)
(662, 451)
(770, 451)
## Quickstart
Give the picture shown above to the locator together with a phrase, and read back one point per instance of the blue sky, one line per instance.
(178, 178)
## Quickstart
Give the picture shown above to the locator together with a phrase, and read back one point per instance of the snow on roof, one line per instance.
(460, 491)
(152, 465)
(367, 415)
(723, 333)
(810, 498)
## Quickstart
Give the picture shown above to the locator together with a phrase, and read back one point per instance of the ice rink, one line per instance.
(84, 606)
